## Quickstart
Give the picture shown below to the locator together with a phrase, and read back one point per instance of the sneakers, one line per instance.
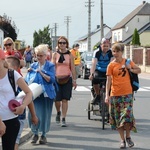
(123, 145)
(43, 140)
(130, 142)
(63, 123)
(58, 117)
(96, 100)
(35, 139)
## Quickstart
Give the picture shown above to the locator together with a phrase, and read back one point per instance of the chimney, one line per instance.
(144, 2)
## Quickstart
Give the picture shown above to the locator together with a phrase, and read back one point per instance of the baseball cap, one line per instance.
(2, 54)
(104, 40)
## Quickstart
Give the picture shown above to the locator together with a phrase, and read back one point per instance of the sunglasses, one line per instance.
(62, 43)
(9, 44)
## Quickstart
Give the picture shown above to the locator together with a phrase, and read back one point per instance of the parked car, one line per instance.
(86, 61)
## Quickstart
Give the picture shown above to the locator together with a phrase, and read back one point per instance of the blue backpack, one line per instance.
(28, 56)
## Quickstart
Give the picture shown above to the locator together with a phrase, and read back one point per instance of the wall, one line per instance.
(140, 55)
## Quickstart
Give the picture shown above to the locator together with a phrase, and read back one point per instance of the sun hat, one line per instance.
(2, 54)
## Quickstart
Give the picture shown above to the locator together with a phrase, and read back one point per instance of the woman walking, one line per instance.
(66, 78)
(121, 97)
(42, 72)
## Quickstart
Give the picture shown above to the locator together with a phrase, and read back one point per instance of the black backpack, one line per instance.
(12, 80)
(134, 80)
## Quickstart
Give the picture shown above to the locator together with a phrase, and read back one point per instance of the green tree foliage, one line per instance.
(42, 37)
(136, 38)
(9, 31)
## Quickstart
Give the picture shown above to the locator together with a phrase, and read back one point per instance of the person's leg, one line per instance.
(58, 107)
(9, 138)
(128, 137)
(64, 108)
(64, 112)
(46, 121)
(121, 132)
(66, 97)
(22, 122)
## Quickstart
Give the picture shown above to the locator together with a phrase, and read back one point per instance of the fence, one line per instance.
(140, 55)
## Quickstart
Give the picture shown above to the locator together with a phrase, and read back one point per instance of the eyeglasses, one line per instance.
(9, 44)
(62, 43)
(39, 55)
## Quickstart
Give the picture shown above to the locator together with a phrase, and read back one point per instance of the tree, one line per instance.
(136, 38)
(42, 37)
(9, 30)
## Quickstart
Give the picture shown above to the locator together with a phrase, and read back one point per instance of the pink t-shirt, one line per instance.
(63, 69)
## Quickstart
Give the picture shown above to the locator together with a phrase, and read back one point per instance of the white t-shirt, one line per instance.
(6, 94)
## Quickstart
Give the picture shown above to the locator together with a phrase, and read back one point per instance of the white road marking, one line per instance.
(88, 88)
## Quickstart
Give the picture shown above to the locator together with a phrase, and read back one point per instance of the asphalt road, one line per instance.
(84, 134)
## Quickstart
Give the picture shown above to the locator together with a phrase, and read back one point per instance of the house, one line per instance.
(95, 38)
(138, 18)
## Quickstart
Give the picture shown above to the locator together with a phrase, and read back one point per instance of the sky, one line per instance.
(32, 15)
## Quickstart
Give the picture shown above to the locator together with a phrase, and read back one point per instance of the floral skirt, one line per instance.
(121, 112)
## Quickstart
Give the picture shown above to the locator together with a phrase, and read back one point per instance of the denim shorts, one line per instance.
(22, 122)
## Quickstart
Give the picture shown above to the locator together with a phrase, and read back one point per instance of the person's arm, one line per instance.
(94, 62)
(73, 72)
(2, 128)
(27, 99)
(108, 85)
(54, 58)
(34, 118)
(133, 68)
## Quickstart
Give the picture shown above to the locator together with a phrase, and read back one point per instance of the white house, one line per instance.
(95, 38)
(138, 18)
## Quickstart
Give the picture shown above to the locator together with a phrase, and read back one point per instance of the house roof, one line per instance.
(144, 28)
(143, 9)
(93, 32)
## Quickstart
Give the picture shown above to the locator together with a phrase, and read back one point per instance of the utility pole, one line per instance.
(101, 23)
(55, 36)
(67, 21)
(52, 40)
(89, 24)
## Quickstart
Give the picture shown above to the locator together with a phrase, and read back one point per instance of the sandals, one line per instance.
(130, 142)
(123, 144)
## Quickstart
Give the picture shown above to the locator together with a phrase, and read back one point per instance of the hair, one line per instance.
(10, 39)
(118, 47)
(13, 61)
(42, 48)
(64, 38)
(75, 45)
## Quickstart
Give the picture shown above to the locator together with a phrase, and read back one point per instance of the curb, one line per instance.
(26, 134)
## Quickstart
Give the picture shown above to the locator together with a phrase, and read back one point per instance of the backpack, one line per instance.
(28, 56)
(133, 78)
(109, 53)
(12, 80)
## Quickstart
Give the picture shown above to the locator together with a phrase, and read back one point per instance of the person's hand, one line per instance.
(91, 77)
(34, 120)
(74, 85)
(107, 99)
(2, 128)
(19, 110)
(29, 69)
